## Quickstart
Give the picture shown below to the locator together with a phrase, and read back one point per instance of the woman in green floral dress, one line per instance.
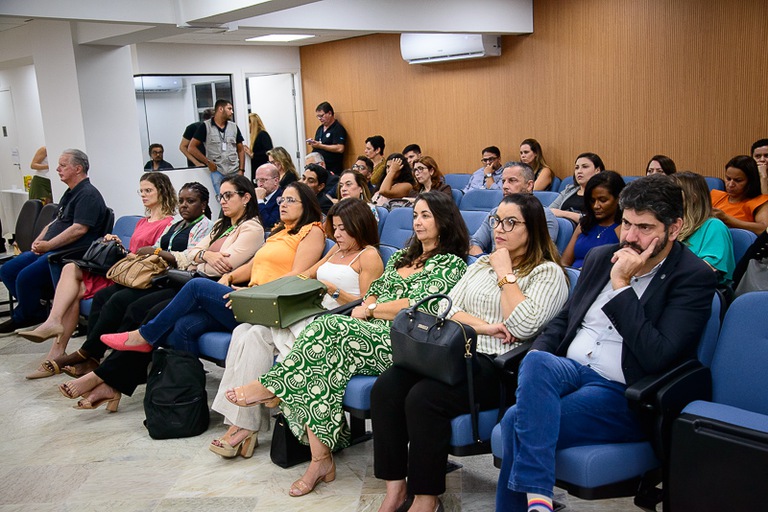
(311, 380)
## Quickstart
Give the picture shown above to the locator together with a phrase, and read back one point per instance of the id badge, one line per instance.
(223, 146)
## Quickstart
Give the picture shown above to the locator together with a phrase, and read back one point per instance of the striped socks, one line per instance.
(539, 503)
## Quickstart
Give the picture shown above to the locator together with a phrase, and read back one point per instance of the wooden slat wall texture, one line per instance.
(623, 78)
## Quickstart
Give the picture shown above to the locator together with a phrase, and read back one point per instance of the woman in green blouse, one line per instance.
(309, 383)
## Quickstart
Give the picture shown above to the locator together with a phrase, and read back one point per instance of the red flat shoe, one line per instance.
(117, 341)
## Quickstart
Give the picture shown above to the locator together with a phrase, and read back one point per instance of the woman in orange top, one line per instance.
(741, 205)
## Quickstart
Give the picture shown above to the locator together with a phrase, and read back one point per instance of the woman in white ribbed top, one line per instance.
(507, 296)
(347, 271)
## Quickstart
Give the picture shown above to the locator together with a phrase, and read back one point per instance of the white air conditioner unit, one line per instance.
(157, 84)
(426, 48)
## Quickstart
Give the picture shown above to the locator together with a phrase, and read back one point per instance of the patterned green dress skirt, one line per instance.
(332, 349)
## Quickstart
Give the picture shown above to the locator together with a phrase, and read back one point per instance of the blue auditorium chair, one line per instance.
(398, 228)
(564, 233)
(714, 183)
(566, 181)
(555, 187)
(545, 196)
(742, 239)
(457, 196)
(631, 469)
(483, 200)
(719, 443)
(382, 212)
(473, 219)
(457, 181)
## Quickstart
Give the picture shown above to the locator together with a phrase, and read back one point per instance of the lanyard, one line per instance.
(182, 228)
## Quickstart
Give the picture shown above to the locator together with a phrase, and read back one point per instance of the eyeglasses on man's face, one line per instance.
(488, 160)
(358, 167)
(507, 224)
(226, 196)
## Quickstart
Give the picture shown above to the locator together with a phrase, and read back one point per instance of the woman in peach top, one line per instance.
(741, 205)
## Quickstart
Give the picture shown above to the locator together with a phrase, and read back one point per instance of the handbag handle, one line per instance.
(441, 317)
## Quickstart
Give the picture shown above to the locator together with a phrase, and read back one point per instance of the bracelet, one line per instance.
(335, 295)
(157, 251)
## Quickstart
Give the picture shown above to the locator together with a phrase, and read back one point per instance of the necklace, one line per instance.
(603, 231)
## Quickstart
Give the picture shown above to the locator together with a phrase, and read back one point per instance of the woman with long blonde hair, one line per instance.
(280, 158)
(261, 142)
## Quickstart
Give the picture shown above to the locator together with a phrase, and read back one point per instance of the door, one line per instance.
(273, 97)
(10, 166)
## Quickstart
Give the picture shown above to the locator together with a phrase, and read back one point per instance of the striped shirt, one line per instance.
(478, 294)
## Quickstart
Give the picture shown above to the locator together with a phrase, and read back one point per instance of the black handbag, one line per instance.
(431, 345)
(101, 256)
(286, 451)
(438, 348)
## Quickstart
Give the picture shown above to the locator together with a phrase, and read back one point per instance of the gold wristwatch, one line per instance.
(507, 279)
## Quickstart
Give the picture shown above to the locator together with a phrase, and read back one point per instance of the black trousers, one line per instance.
(411, 417)
(117, 309)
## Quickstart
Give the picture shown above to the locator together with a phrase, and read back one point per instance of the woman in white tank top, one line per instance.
(347, 271)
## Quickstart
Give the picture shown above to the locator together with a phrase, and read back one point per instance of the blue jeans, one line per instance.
(560, 404)
(216, 178)
(199, 307)
(26, 276)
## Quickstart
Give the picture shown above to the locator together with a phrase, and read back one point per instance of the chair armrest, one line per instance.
(644, 390)
(344, 309)
(512, 359)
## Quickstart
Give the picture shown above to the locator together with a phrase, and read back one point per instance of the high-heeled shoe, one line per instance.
(64, 390)
(244, 448)
(301, 488)
(406, 504)
(40, 335)
(117, 341)
(242, 401)
(112, 403)
(48, 368)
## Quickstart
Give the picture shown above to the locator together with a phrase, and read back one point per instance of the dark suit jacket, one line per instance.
(270, 211)
(659, 330)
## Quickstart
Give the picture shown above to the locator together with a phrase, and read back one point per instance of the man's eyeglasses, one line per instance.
(289, 200)
(226, 196)
(358, 167)
(488, 160)
(507, 224)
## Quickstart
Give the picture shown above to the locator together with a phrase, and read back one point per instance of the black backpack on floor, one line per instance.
(176, 403)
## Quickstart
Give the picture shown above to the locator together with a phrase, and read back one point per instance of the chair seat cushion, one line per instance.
(461, 427)
(85, 307)
(728, 414)
(214, 345)
(358, 393)
(602, 464)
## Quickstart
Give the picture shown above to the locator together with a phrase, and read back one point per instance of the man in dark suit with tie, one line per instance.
(639, 308)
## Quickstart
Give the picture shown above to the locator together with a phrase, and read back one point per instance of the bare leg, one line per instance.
(397, 491)
(424, 503)
(321, 467)
(69, 323)
(81, 385)
(69, 290)
(101, 391)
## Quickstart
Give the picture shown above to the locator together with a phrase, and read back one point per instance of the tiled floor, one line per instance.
(57, 458)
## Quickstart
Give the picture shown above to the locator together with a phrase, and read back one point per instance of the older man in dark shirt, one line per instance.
(80, 220)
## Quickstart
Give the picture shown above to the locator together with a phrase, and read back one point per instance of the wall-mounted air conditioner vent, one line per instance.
(427, 48)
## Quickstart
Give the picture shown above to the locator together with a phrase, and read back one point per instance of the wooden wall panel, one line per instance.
(623, 78)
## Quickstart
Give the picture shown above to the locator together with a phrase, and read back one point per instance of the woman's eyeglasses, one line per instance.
(288, 200)
(226, 196)
(507, 224)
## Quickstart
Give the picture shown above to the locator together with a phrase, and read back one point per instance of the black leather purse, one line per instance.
(101, 256)
(432, 346)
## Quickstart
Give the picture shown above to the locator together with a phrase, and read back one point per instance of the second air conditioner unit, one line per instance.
(427, 48)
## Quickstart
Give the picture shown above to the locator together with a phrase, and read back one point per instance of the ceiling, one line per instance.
(231, 22)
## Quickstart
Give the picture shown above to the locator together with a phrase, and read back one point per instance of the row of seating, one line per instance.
(458, 181)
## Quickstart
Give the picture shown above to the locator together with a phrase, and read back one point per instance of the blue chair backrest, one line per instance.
(399, 227)
(566, 181)
(708, 340)
(457, 195)
(555, 186)
(742, 239)
(546, 197)
(124, 228)
(386, 252)
(382, 212)
(628, 179)
(714, 183)
(473, 219)
(328, 244)
(564, 233)
(739, 376)
(573, 277)
(457, 180)
(483, 200)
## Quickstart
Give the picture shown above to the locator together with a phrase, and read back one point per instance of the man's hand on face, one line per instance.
(627, 261)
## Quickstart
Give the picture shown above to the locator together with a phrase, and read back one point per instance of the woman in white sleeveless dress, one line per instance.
(347, 270)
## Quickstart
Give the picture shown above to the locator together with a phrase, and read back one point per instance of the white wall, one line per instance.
(29, 122)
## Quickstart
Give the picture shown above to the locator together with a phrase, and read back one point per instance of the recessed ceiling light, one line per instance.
(280, 38)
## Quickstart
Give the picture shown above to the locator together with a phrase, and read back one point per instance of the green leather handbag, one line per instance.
(279, 303)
